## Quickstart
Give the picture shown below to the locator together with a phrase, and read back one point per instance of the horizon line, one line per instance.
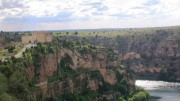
(91, 29)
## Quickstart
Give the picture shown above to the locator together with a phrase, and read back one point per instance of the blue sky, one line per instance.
(87, 14)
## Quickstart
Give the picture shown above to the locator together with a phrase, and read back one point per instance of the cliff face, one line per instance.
(9, 39)
(165, 57)
(145, 51)
(100, 61)
(169, 49)
(153, 54)
(91, 70)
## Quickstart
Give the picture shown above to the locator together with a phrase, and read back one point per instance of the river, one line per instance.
(160, 90)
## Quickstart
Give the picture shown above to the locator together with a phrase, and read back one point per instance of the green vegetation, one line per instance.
(4, 56)
(140, 96)
(9, 51)
(14, 85)
(112, 33)
(17, 48)
(4, 51)
(168, 74)
(85, 94)
(65, 74)
(10, 37)
(122, 67)
(156, 47)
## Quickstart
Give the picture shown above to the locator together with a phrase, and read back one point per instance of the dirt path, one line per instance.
(42, 83)
(19, 54)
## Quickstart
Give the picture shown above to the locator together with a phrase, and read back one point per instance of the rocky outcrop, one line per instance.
(93, 84)
(165, 56)
(170, 49)
(109, 76)
(50, 62)
(144, 50)
(102, 61)
(131, 55)
(30, 72)
(142, 69)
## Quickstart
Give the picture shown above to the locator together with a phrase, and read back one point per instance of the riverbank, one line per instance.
(161, 90)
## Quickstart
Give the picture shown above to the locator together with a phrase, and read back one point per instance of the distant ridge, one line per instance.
(95, 29)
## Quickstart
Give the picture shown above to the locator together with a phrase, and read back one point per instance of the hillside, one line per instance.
(70, 71)
(9, 44)
(93, 67)
(147, 51)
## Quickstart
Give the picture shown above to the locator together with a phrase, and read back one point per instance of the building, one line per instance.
(37, 37)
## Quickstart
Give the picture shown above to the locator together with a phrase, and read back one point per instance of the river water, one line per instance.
(160, 90)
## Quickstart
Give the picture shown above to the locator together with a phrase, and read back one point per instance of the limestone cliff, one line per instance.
(100, 61)
(91, 70)
(145, 51)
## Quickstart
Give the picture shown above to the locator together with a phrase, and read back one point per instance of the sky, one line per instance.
(28, 15)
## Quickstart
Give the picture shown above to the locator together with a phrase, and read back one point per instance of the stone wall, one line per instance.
(28, 39)
(37, 37)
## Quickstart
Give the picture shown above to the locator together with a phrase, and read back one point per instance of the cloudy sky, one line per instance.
(87, 14)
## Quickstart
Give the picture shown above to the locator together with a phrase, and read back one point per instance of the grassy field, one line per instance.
(119, 32)
(4, 54)
(4, 51)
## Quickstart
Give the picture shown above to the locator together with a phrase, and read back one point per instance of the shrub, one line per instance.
(7, 97)
(121, 99)
(140, 96)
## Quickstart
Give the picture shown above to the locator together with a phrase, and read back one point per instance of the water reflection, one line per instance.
(160, 90)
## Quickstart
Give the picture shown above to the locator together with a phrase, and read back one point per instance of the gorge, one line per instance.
(92, 65)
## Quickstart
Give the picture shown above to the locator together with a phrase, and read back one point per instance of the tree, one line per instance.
(11, 49)
(7, 97)
(3, 84)
(76, 33)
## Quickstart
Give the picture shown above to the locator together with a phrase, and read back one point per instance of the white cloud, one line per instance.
(86, 13)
